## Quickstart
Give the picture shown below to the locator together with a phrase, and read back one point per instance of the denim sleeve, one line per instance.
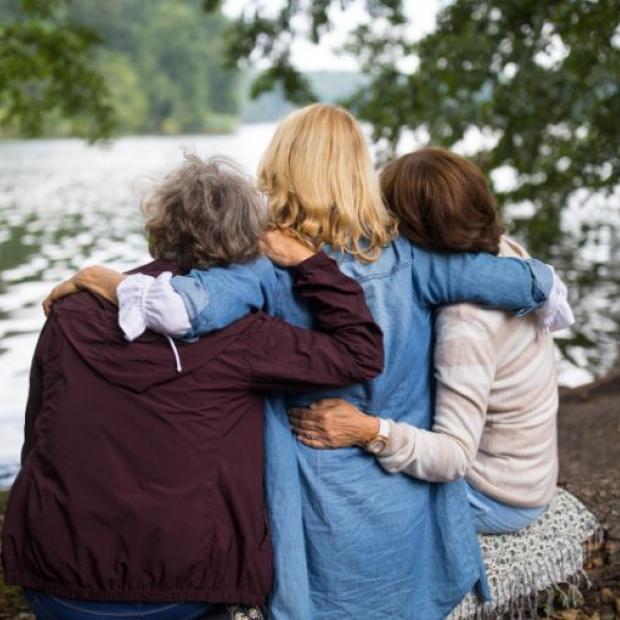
(505, 283)
(217, 297)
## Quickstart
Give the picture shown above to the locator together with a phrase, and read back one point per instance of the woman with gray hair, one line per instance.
(141, 489)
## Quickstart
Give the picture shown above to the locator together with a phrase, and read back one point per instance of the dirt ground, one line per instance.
(589, 439)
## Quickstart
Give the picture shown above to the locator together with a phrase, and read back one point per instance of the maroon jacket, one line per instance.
(143, 484)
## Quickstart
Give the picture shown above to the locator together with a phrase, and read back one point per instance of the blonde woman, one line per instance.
(496, 392)
(350, 540)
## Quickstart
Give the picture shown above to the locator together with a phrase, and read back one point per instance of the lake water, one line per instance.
(64, 204)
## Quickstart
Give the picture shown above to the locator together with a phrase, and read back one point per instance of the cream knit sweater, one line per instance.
(496, 407)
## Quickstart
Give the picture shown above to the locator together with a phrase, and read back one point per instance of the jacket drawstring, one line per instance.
(175, 351)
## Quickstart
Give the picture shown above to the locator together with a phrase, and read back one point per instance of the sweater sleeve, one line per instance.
(464, 370)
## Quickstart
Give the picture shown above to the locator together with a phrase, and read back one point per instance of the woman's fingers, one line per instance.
(327, 403)
(312, 443)
(335, 422)
(48, 302)
(298, 412)
(101, 281)
(304, 423)
(311, 428)
(61, 290)
(96, 279)
(284, 249)
(315, 438)
(307, 418)
(270, 245)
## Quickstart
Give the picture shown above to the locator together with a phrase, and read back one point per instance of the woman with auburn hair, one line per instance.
(349, 539)
(496, 397)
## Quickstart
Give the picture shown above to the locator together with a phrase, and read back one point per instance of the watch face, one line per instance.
(377, 445)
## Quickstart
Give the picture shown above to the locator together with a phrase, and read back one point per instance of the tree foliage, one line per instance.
(47, 67)
(539, 79)
(78, 67)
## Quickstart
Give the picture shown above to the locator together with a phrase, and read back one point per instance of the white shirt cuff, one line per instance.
(557, 313)
(145, 303)
(384, 427)
(130, 293)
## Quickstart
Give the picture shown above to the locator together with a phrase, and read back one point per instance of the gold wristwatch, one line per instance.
(379, 442)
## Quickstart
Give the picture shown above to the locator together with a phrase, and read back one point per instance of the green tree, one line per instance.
(176, 54)
(126, 93)
(180, 60)
(78, 67)
(540, 78)
(47, 71)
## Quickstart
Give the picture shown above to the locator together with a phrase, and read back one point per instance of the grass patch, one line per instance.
(4, 498)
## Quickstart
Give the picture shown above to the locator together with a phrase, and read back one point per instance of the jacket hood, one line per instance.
(90, 324)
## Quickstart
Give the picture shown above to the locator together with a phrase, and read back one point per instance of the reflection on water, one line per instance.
(64, 205)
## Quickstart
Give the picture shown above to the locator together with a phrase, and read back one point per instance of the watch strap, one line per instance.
(384, 428)
(380, 441)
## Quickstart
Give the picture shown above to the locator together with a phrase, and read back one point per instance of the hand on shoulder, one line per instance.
(284, 249)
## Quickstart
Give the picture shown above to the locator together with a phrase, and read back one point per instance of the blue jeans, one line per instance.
(48, 607)
(493, 517)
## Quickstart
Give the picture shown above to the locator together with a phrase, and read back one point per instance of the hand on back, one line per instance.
(332, 423)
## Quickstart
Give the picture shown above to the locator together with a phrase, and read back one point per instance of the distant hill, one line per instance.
(329, 86)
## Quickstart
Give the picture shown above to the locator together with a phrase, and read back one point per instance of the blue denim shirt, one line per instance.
(350, 540)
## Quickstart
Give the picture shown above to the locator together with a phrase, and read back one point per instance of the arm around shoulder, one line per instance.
(500, 282)
(347, 347)
(195, 304)
(217, 297)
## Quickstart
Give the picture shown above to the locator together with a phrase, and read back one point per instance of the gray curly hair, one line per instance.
(205, 213)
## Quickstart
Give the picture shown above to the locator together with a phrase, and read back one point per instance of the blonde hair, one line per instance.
(321, 185)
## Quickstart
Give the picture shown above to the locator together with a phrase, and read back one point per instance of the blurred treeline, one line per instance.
(125, 67)
(162, 64)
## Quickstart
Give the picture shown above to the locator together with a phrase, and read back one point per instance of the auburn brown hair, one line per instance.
(442, 202)
(205, 213)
